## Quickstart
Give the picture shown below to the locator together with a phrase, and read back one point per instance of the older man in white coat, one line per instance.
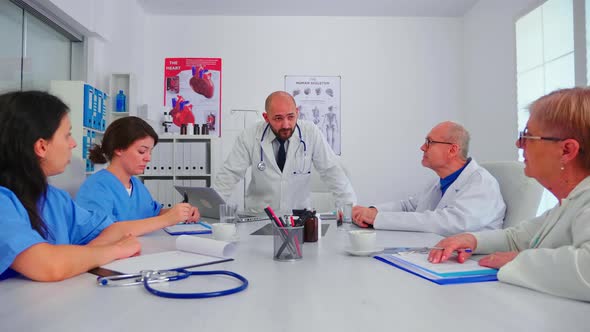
(465, 198)
(281, 151)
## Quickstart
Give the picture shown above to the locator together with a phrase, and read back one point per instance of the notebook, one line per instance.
(200, 227)
(449, 272)
(208, 201)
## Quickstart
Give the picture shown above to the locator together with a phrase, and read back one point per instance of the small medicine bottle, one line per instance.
(310, 229)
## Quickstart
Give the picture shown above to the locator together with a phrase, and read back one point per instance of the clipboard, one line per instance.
(445, 278)
(200, 227)
(103, 272)
(192, 251)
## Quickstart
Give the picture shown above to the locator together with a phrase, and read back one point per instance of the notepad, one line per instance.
(191, 251)
(189, 229)
(449, 272)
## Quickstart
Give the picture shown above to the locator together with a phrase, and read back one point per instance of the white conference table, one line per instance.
(328, 290)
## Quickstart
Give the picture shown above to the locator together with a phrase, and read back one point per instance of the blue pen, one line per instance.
(206, 225)
(460, 249)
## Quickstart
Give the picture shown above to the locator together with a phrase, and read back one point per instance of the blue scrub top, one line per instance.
(67, 223)
(104, 193)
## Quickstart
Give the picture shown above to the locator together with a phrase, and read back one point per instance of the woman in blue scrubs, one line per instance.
(45, 235)
(127, 145)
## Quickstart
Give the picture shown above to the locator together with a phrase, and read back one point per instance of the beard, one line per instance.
(283, 133)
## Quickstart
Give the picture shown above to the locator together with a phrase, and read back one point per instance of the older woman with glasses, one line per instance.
(550, 253)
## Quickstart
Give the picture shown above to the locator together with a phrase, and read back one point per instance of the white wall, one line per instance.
(490, 77)
(400, 76)
(113, 33)
(90, 17)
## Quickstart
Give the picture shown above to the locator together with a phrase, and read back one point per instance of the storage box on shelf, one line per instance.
(179, 160)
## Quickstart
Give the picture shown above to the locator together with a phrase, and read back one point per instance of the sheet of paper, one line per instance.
(160, 261)
(192, 250)
(205, 246)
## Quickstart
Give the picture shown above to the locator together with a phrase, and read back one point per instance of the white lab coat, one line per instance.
(554, 248)
(289, 189)
(472, 203)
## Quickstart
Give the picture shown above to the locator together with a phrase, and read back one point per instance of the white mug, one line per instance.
(224, 231)
(362, 240)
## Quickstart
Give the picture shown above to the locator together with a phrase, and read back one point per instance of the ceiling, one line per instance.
(425, 8)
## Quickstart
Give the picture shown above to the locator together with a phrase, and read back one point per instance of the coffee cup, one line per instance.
(362, 240)
(224, 231)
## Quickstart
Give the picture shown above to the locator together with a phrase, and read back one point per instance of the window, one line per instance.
(545, 57)
(34, 49)
(11, 22)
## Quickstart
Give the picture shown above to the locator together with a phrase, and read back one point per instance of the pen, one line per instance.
(184, 197)
(296, 238)
(271, 214)
(204, 224)
(441, 248)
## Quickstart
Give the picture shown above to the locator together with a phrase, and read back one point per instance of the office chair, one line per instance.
(321, 197)
(521, 194)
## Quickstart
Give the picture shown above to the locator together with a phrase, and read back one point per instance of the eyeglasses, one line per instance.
(523, 136)
(428, 141)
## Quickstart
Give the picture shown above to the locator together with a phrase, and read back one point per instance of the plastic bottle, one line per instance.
(121, 102)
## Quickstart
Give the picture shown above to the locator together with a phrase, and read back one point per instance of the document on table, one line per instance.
(191, 251)
(449, 272)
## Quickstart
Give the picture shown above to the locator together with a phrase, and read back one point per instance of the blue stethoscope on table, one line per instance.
(262, 164)
(157, 276)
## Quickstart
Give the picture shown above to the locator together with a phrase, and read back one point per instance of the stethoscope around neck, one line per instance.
(262, 164)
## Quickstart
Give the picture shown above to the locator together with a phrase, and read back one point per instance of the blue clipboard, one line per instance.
(200, 227)
(445, 280)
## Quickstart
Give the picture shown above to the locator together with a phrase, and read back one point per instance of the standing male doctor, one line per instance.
(281, 151)
(465, 198)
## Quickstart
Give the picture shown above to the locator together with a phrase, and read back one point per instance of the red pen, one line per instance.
(296, 238)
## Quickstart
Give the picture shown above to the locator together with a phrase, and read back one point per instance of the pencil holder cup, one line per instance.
(288, 243)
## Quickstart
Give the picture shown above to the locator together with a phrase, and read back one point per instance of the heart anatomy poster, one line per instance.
(192, 94)
(318, 101)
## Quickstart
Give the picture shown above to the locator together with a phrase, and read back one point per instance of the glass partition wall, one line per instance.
(33, 51)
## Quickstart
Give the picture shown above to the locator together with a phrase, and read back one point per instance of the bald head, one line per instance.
(456, 133)
(278, 96)
(281, 114)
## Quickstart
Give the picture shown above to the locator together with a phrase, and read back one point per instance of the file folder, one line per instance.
(441, 274)
(189, 229)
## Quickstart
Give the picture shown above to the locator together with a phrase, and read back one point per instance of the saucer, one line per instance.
(352, 252)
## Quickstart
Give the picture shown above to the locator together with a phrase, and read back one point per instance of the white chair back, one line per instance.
(321, 197)
(522, 194)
